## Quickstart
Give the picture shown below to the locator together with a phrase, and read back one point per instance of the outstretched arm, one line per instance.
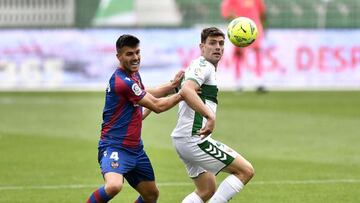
(164, 90)
(167, 88)
(159, 105)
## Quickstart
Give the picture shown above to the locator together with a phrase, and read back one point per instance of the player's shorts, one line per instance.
(200, 156)
(135, 166)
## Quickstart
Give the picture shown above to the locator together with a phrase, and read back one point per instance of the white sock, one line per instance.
(227, 189)
(192, 198)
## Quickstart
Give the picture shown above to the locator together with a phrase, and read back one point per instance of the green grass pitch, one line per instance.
(305, 146)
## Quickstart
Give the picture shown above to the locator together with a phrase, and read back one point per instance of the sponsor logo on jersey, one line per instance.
(198, 72)
(114, 164)
(136, 89)
(202, 62)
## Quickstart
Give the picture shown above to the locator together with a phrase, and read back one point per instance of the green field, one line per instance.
(305, 147)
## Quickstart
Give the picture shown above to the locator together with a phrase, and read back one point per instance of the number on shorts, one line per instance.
(115, 156)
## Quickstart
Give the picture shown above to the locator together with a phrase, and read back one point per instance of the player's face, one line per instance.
(129, 58)
(213, 49)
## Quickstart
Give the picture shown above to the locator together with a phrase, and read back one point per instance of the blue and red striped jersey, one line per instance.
(122, 116)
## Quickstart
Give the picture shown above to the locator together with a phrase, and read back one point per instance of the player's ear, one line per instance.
(201, 46)
(119, 53)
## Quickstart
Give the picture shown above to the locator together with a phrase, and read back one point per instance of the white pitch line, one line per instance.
(300, 182)
(46, 187)
(176, 184)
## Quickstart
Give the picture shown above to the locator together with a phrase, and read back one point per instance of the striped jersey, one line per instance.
(122, 116)
(204, 74)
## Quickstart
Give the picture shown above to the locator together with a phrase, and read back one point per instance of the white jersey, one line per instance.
(200, 155)
(203, 73)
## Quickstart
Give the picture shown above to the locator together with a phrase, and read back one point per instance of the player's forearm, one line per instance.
(166, 103)
(192, 99)
(162, 90)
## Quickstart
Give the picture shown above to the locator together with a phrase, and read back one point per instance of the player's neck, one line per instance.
(213, 63)
(127, 72)
(215, 66)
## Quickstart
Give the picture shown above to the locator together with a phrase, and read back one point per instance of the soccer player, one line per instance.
(203, 156)
(121, 154)
(255, 10)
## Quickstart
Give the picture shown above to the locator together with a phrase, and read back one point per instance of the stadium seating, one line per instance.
(17, 13)
(282, 13)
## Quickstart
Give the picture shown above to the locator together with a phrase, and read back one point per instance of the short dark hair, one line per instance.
(126, 40)
(210, 31)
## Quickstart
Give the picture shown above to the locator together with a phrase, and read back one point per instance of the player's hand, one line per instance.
(177, 79)
(208, 128)
(146, 112)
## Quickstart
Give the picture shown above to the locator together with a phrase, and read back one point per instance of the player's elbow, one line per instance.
(160, 108)
(186, 91)
(157, 110)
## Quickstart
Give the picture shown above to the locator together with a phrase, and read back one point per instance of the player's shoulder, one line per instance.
(121, 75)
(201, 63)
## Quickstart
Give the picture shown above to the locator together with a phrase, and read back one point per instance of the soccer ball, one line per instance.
(242, 31)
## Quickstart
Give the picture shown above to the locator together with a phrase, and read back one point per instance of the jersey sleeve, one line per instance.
(136, 93)
(130, 89)
(198, 71)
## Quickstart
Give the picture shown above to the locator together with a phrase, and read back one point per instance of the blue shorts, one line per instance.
(135, 165)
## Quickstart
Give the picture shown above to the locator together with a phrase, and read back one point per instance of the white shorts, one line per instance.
(200, 156)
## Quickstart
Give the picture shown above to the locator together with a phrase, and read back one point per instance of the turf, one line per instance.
(304, 146)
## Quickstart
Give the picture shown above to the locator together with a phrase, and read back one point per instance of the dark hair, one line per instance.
(212, 32)
(126, 40)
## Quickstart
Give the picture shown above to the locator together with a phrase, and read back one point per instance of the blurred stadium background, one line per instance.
(310, 44)
(304, 144)
(177, 13)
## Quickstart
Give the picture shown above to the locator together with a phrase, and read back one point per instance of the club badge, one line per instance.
(114, 164)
